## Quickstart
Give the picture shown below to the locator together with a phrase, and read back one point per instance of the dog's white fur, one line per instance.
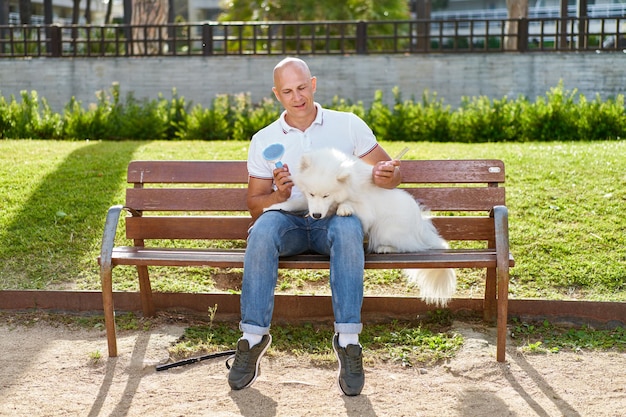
(335, 183)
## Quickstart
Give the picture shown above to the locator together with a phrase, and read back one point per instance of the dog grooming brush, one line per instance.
(273, 153)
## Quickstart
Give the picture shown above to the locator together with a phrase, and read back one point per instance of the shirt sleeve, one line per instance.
(257, 165)
(363, 136)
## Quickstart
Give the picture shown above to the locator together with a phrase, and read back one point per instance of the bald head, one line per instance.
(292, 64)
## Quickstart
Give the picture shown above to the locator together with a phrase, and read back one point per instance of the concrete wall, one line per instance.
(355, 78)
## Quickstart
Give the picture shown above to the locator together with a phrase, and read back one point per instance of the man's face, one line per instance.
(294, 88)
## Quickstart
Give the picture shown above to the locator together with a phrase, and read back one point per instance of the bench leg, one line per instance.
(145, 290)
(503, 306)
(109, 311)
(489, 306)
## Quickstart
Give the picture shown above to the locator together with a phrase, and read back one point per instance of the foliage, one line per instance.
(408, 343)
(312, 10)
(320, 36)
(560, 115)
(30, 118)
(546, 337)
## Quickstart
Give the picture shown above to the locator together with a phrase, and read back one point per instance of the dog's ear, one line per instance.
(343, 175)
(305, 162)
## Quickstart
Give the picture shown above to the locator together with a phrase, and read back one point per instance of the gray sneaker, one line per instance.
(350, 376)
(245, 367)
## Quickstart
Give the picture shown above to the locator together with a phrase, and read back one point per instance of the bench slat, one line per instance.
(453, 171)
(233, 172)
(459, 198)
(191, 199)
(190, 227)
(234, 199)
(236, 227)
(190, 172)
(233, 258)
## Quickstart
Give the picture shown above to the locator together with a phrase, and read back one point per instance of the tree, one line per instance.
(310, 10)
(148, 15)
(316, 11)
(26, 12)
(107, 16)
(517, 9)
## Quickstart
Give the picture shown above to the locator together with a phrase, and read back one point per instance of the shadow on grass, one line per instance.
(55, 237)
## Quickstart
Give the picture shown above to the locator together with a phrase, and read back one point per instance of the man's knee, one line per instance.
(347, 227)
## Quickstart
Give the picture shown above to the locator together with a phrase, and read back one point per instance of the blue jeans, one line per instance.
(277, 233)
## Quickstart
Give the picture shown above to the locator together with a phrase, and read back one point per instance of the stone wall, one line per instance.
(356, 78)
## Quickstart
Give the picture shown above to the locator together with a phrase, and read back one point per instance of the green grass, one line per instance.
(545, 337)
(566, 203)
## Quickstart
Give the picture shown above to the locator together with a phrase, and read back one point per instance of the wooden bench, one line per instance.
(207, 200)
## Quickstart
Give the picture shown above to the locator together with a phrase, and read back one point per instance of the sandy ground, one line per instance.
(50, 371)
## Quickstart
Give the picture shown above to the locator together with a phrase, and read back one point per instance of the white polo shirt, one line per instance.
(331, 129)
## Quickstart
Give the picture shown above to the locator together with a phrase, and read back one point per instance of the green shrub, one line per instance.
(211, 123)
(559, 116)
(554, 117)
(483, 120)
(602, 120)
(30, 118)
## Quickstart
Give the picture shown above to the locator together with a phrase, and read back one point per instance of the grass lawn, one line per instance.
(566, 203)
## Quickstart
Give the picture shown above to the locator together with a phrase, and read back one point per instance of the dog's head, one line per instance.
(324, 178)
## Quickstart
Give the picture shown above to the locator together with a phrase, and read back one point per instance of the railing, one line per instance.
(320, 37)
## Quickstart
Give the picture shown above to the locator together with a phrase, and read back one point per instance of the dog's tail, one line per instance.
(436, 285)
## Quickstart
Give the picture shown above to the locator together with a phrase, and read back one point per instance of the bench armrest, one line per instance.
(108, 236)
(500, 216)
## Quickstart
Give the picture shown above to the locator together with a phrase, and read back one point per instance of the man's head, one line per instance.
(294, 87)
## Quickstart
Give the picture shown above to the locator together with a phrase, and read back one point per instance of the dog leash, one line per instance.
(214, 355)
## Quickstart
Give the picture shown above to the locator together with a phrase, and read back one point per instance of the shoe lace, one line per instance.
(354, 364)
(240, 359)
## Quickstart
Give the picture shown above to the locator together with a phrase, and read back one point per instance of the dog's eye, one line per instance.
(326, 196)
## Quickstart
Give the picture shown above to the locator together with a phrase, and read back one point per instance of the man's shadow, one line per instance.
(252, 403)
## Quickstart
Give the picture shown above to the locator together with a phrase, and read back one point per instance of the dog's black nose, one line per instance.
(316, 215)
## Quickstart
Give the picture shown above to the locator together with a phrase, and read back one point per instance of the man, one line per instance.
(304, 125)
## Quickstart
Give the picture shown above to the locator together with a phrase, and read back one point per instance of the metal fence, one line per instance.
(319, 37)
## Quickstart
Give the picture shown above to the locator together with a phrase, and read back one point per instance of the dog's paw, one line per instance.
(385, 249)
(345, 210)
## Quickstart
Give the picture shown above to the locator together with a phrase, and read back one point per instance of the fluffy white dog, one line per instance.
(334, 183)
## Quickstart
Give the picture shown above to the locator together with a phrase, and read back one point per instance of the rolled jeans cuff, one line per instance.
(349, 328)
(252, 329)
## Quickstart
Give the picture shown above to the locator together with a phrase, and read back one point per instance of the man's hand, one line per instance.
(385, 173)
(282, 179)
(261, 193)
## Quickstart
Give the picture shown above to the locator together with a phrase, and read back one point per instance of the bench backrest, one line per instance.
(215, 193)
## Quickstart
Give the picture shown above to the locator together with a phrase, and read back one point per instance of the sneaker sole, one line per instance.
(338, 370)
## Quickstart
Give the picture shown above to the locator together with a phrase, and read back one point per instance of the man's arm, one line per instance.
(261, 193)
(386, 172)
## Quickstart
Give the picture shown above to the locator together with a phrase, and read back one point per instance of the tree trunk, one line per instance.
(149, 38)
(88, 12)
(107, 16)
(517, 9)
(26, 12)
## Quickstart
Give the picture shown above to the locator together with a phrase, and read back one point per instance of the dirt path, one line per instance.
(50, 371)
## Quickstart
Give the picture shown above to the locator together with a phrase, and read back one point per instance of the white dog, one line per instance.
(334, 183)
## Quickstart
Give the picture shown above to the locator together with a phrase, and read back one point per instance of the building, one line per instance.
(202, 10)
